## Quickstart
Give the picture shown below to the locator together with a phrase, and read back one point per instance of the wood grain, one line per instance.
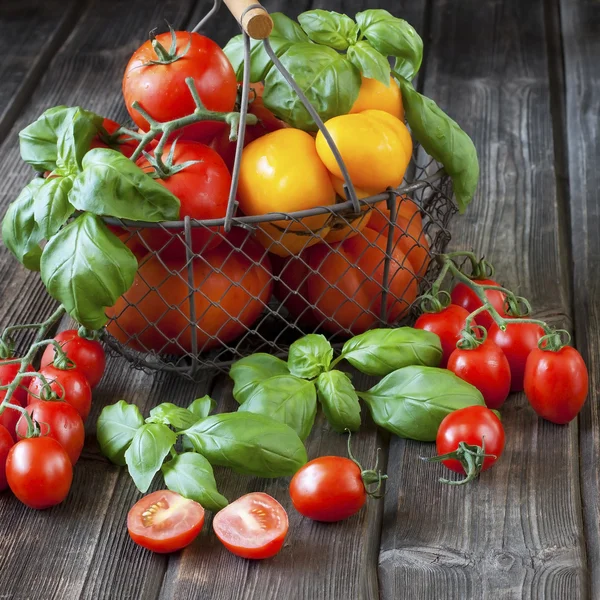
(581, 41)
(516, 533)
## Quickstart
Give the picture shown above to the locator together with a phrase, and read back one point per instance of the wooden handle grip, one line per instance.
(256, 21)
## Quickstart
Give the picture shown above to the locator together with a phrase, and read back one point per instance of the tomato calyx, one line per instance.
(435, 302)
(369, 477)
(472, 336)
(164, 56)
(164, 168)
(470, 456)
(553, 341)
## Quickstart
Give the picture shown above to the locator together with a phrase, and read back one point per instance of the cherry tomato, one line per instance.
(464, 296)
(556, 383)
(517, 342)
(470, 425)
(202, 189)
(39, 472)
(164, 521)
(88, 355)
(8, 372)
(447, 325)
(485, 367)
(6, 443)
(254, 526)
(70, 385)
(10, 417)
(329, 488)
(57, 420)
(162, 92)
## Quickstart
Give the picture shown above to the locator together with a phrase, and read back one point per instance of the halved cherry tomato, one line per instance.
(164, 521)
(58, 420)
(464, 296)
(485, 367)
(254, 526)
(6, 443)
(447, 325)
(516, 342)
(87, 355)
(556, 383)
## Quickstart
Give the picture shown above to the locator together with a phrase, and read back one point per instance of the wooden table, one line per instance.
(523, 78)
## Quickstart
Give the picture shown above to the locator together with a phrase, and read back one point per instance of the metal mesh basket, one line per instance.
(357, 264)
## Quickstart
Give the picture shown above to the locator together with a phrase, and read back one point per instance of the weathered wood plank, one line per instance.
(31, 32)
(517, 533)
(581, 41)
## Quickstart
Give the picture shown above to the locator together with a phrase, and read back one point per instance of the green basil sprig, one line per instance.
(287, 399)
(339, 401)
(444, 140)
(171, 414)
(413, 401)
(250, 371)
(116, 428)
(309, 356)
(329, 28)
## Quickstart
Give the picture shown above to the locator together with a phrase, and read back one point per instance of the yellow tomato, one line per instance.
(282, 172)
(375, 146)
(374, 95)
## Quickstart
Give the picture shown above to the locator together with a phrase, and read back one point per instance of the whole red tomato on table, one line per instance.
(8, 372)
(157, 81)
(464, 296)
(6, 443)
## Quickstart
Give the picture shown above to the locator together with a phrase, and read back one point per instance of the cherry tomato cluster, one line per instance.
(37, 465)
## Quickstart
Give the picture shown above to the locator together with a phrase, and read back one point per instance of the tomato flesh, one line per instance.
(254, 526)
(165, 521)
(6, 443)
(329, 488)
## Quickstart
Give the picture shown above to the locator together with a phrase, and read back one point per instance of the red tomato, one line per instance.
(87, 355)
(447, 325)
(127, 148)
(464, 296)
(8, 372)
(6, 443)
(346, 287)
(70, 385)
(486, 368)
(226, 149)
(556, 383)
(10, 417)
(233, 286)
(470, 425)
(254, 526)
(162, 92)
(202, 189)
(164, 521)
(329, 488)
(57, 420)
(39, 472)
(517, 342)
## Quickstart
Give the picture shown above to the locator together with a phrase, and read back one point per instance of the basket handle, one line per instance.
(253, 18)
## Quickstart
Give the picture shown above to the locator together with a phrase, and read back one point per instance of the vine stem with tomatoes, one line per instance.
(6, 350)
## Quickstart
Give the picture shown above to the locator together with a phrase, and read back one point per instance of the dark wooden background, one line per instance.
(523, 78)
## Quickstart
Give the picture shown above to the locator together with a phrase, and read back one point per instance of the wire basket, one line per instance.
(356, 265)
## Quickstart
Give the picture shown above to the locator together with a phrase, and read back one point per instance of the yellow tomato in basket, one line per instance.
(281, 172)
(376, 148)
(375, 95)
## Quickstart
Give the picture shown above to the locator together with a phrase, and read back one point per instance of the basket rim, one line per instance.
(249, 221)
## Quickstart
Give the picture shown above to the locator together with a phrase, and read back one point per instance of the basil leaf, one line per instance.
(339, 401)
(20, 232)
(285, 33)
(393, 37)
(329, 28)
(444, 140)
(110, 184)
(248, 443)
(116, 428)
(412, 402)
(328, 79)
(309, 356)
(52, 208)
(150, 446)
(191, 475)
(202, 407)
(86, 268)
(171, 414)
(251, 370)
(381, 351)
(370, 63)
(59, 138)
(287, 399)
